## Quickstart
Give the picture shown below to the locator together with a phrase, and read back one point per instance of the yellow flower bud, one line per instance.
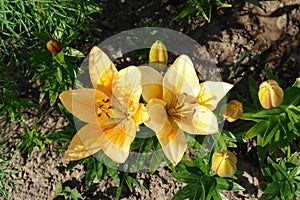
(224, 163)
(158, 56)
(54, 46)
(232, 111)
(270, 94)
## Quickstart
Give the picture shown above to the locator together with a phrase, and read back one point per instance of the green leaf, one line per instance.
(291, 96)
(185, 12)
(271, 191)
(208, 186)
(224, 184)
(53, 94)
(270, 112)
(43, 36)
(285, 190)
(90, 173)
(294, 158)
(59, 57)
(187, 192)
(59, 75)
(75, 194)
(58, 188)
(261, 150)
(69, 51)
(99, 169)
(145, 147)
(156, 159)
(253, 87)
(269, 76)
(62, 137)
(186, 177)
(119, 191)
(130, 180)
(258, 129)
(114, 174)
(295, 172)
(66, 113)
(240, 59)
(278, 168)
(273, 127)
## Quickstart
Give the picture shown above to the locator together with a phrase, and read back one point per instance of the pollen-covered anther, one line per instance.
(103, 107)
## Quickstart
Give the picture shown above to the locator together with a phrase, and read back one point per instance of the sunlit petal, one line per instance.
(141, 115)
(85, 142)
(181, 78)
(172, 140)
(102, 70)
(203, 120)
(170, 137)
(157, 114)
(82, 103)
(151, 83)
(127, 89)
(212, 92)
(116, 141)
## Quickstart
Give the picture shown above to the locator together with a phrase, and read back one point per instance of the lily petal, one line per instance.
(141, 115)
(181, 78)
(151, 83)
(116, 140)
(85, 142)
(212, 92)
(201, 122)
(102, 70)
(169, 135)
(127, 89)
(172, 140)
(157, 114)
(82, 103)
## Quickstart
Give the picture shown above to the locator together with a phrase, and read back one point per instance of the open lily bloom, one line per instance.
(177, 103)
(111, 110)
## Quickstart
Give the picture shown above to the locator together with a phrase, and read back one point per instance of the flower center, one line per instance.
(181, 106)
(103, 108)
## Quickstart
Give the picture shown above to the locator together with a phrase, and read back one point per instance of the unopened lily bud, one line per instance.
(232, 111)
(54, 46)
(158, 56)
(224, 163)
(270, 94)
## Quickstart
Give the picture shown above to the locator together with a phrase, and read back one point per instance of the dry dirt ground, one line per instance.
(268, 29)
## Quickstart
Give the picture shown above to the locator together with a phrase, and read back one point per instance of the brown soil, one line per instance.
(268, 29)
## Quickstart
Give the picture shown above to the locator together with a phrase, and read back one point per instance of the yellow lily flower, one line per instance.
(111, 109)
(174, 106)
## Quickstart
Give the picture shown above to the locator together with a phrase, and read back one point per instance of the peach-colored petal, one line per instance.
(212, 92)
(127, 89)
(172, 140)
(116, 140)
(181, 78)
(82, 103)
(170, 137)
(157, 114)
(102, 70)
(151, 82)
(85, 142)
(141, 115)
(204, 120)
